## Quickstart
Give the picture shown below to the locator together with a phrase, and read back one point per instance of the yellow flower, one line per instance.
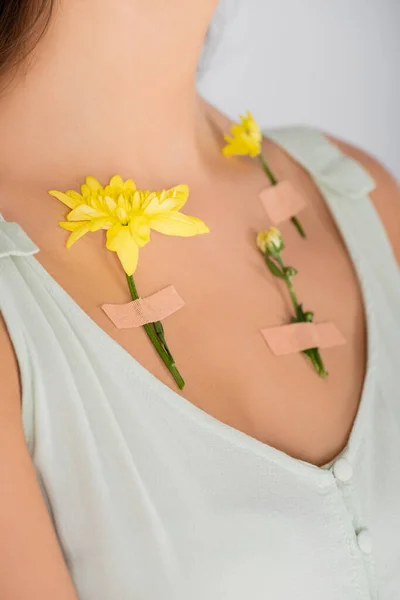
(246, 138)
(271, 240)
(128, 215)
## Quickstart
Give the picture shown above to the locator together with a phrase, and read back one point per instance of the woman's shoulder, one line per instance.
(385, 196)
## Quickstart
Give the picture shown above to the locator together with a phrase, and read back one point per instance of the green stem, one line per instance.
(313, 353)
(274, 181)
(320, 364)
(155, 332)
(267, 170)
(298, 226)
(289, 284)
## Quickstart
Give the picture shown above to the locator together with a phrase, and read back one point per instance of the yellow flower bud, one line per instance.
(271, 240)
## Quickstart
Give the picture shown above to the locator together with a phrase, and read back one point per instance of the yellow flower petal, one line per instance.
(140, 231)
(122, 215)
(129, 186)
(70, 226)
(174, 198)
(111, 235)
(84, 212)
(116, 182)
(93, 184)
(118, 186)
(237, 130)
(85, 191)
(229, 149)
(74, 196)
(70, 199)
(254, 151)
(124, 203)
(246, 138)
(78, 230)
(109, 204)
(119, 240)
(175, 223)
(150, 203)
(101, 223)
(138, 199)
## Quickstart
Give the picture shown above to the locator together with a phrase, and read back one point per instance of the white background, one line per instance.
(334, 64)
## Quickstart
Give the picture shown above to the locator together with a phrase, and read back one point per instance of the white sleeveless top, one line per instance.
(153, 499)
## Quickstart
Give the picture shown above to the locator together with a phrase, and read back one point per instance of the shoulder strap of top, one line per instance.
(15, 246)
(323, 159)
(14, 241)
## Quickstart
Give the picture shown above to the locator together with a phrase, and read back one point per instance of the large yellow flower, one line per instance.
(128, 215)
(246, 138)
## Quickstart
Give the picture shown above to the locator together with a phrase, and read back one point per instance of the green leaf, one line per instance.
(300, 314)
(290, 271)
(273, 268)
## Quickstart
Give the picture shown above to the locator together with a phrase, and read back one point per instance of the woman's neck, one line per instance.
(110, 88)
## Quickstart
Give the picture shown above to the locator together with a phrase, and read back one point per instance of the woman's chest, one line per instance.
(230, 296)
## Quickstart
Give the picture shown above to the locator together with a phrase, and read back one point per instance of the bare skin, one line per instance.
(77, 112)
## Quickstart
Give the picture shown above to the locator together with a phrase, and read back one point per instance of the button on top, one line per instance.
(364, 541)
(342, 470)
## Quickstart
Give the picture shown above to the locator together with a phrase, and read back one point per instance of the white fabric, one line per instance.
(153, 499)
